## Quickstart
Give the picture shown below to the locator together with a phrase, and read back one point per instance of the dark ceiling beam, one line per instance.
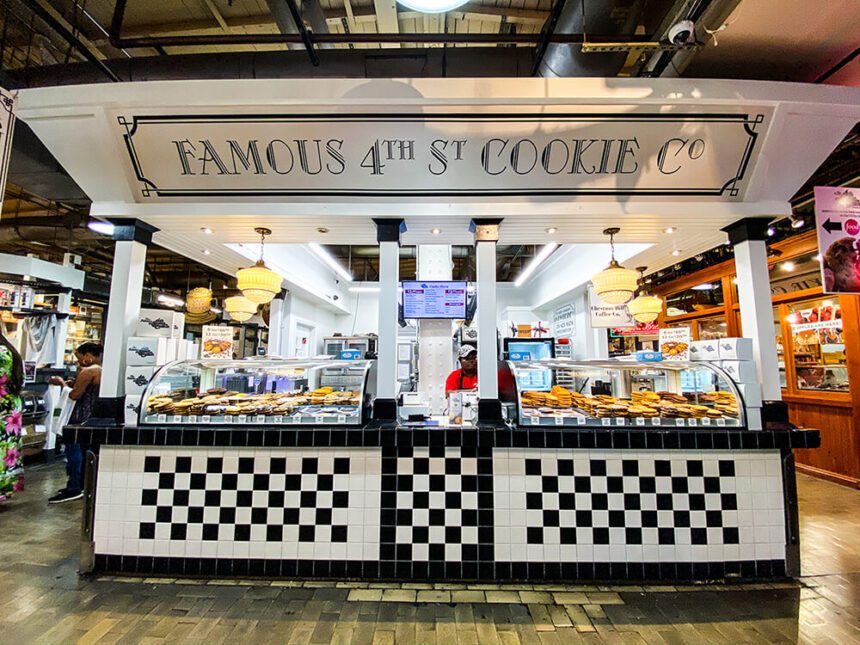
(71, 38)
(219, 40)
(546, 34)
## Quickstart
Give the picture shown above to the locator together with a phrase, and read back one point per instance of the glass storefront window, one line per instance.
(713, 328)
(703, 296)
(818, 345)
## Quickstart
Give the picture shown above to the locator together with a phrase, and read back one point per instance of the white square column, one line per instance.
(388, 233)
(486, 238)
(748, 236)
(129, 263)
(276, 324)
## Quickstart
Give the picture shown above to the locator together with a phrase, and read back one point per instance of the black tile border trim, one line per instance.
(561, 572)
(486, 436)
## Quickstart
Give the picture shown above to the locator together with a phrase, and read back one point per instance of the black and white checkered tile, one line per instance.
(301, 503)
(437, 505)
(557, 506)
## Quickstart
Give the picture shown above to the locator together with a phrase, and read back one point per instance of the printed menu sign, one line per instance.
(217, 342)
(675, 343)
(608, 316)
(424, 299)
(837, 219)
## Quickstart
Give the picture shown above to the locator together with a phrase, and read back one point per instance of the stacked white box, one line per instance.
(736, 349)
(704, 350)
(143, 350)
(751, 394)
(160, 322)
(132, 409)
(137, 377)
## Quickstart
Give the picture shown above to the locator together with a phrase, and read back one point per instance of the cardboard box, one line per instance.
(141, 350)
(160, 322)
(137, 377)
(751, 394)
(740, 371)
(132, 410)
(736, 349)
(705, 350)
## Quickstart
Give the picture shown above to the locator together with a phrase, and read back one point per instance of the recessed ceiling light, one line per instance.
(206, 230)
(435, 231)
(705, 286)
(676, 252)
(669, 229)
(771, 231)
(98, 226)
(206, 252)
(788, 266)
(797, 222)
(551, 230)
(322, 229)
(817, 257)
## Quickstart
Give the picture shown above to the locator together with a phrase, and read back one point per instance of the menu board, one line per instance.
(433, 299)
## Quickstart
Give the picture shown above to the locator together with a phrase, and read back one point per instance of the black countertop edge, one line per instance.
(406, 438)
(489, 571)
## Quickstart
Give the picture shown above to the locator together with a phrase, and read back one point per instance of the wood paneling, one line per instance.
(838, 458)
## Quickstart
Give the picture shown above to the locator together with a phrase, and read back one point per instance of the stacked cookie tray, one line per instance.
(618, 393)
(217, 405)
(563, 407)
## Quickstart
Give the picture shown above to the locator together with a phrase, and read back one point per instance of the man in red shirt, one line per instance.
(465, 378)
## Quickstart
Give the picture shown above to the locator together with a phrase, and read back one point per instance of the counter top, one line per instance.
(487, 436)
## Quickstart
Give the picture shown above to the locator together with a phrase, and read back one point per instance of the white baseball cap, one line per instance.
(466, 350)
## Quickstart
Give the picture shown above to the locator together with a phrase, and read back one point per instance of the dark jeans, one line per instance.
(74, 467)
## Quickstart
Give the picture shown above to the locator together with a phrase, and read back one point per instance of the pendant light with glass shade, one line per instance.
(645, 307)
(240, 308)
(258, 283)
(615, 285)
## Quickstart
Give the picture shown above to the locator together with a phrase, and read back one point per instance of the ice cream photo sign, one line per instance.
(837, 220)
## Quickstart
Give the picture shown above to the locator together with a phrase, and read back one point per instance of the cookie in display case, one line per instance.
(622, 393)
(262, 391)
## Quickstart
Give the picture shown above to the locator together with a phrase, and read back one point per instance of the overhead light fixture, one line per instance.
(259, 283)
(797, 222)
(98, 226)
(206, 230)
(551, 230)
(705, 286)
(170, 301)
(364, 289)
(676, 252)
(330, 260)
(669, 229)
(771, 231)
(432, 6)
(645, 307)
(207, 252)
(240, 308)
(788, 266)
(817, 257)
(435, 231)
(198, 300)
(615, 285)
(542, 255)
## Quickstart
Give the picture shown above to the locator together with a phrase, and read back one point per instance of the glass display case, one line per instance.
(260, 391)
(625, 393)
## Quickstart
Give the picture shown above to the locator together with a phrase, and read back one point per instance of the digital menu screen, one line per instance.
(432, 299)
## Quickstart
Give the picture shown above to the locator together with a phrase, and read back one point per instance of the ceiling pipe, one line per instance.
(580, 18)
(71, 38)
(546, 33)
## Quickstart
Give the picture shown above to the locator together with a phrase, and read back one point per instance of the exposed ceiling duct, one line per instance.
(599, 17)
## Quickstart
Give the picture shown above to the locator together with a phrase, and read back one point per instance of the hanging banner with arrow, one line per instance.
(837, 220)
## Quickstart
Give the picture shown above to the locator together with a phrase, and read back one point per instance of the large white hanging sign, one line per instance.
(7, 125)
(837, 218)
(504, 153)
(606, 316)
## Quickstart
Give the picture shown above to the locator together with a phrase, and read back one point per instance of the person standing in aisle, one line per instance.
(11, 382)
(85, 391)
